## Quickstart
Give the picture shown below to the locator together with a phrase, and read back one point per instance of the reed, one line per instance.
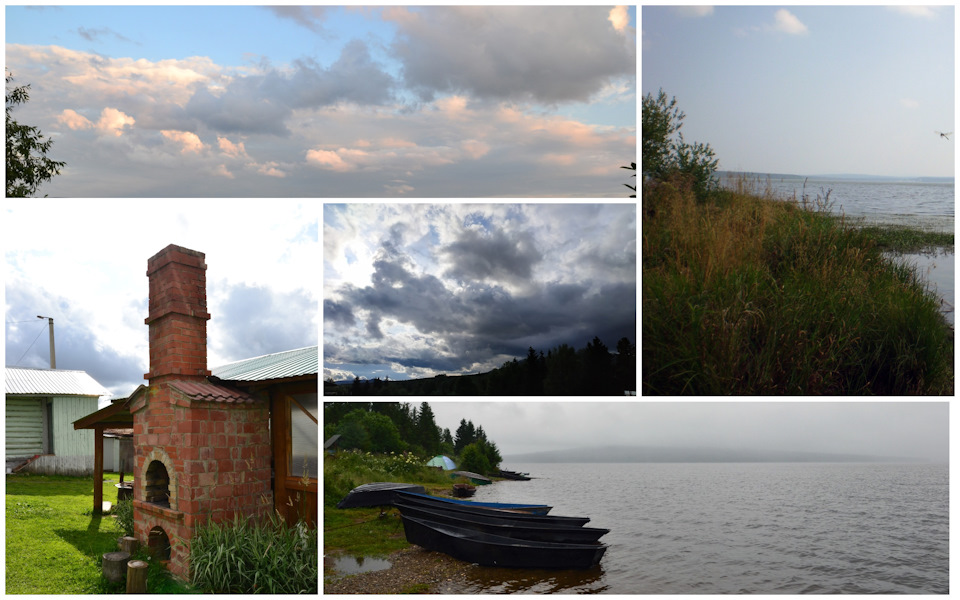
(745, 293)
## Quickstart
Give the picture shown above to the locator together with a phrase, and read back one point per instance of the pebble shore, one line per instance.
(412, 570)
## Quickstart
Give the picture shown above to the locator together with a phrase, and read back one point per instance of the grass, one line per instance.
(55, 543)
(362, 531)
(744, 293)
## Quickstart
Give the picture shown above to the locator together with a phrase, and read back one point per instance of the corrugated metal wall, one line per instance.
(68, 441)
(24, 426)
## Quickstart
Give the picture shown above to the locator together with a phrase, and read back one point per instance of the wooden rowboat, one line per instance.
(376, 494)
(505, 527)
(497, 551)
(489, 509)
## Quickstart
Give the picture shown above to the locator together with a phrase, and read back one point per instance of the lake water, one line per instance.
(741, 528)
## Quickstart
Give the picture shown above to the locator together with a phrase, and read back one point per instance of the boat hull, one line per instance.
(498, 551)
(478, 508)
(505, 527)
(376, 494)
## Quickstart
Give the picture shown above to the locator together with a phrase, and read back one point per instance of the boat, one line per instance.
(475, 478)
(463, 490)
(486, 549)
(505, 527)
(532, 509)
(465, 506)
(513, 475)
(376, 494)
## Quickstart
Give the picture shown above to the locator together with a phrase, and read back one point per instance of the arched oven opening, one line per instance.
(158, 484)
(159, 544)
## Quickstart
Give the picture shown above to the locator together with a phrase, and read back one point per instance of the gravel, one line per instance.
(411, 570)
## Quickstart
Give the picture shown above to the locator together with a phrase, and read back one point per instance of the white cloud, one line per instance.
(619, 18)
(188, 141)
(909, 103)
(230, 149)
(694, 11)
(114, 122)
(787, 22)
(924, 12)
(73, 120)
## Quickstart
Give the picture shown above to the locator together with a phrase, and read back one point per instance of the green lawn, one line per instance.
(55, 543)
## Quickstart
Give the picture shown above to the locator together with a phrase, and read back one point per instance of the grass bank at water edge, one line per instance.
(748, 294)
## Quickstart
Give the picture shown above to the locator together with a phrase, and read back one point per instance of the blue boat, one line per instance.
(533, 509)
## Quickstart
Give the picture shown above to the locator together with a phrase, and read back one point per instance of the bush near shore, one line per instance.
(745, 293)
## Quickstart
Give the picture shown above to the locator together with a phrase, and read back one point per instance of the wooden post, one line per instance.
(98, 470)
(115, 566)
(137, 577)
(129, 544)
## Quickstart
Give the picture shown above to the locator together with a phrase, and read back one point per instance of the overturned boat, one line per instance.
(376, 494)
(492, 550)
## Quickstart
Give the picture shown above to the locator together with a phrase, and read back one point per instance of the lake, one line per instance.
(696, 528)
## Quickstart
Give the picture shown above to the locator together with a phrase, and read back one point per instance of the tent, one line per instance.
(442, 461)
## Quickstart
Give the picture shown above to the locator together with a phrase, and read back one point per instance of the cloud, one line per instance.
(256, 320)
(786, 22)
(619, 18)
(94, 35)
(568, 54)
(311, 17)
(693, 11)
(188, 141)
(73, 120)
(464, 288)
(230, 149)
(909, 103)
(114, 122)
(923, 12)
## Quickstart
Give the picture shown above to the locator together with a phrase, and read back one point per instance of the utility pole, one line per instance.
(53, 352)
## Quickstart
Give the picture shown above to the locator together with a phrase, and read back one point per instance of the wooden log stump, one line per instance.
(137, 577)
(115, 566)
(129, 544)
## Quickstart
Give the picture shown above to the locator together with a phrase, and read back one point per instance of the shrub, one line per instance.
(664, 157)
(247, 556)
(124, 517)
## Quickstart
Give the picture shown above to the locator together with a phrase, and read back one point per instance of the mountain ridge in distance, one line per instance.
(660, 454)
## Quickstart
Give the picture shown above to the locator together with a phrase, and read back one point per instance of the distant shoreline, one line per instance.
(647, 454)
(838, 177)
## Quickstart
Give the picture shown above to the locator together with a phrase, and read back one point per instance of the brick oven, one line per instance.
(202, 449)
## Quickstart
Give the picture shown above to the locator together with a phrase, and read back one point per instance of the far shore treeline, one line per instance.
(401, 428)
(562, 371)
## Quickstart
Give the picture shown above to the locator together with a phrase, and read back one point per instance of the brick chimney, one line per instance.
(203, 451)
(178, 315)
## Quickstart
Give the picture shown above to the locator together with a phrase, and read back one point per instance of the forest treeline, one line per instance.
(399, 427)
(562, 371)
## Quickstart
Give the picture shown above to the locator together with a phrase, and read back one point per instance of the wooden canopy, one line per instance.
(115, 416)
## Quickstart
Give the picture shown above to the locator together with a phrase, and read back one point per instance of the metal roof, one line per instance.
(50, 382)
(281, 365)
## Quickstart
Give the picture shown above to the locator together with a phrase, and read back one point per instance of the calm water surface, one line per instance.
(741, 528)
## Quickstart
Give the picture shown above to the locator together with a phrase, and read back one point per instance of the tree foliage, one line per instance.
(665, 154)
(27, 163)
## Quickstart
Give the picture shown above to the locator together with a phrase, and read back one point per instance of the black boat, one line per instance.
(513, 475)
(376, 494)
(463, 490)
(505, 527)
(474, 508)
(497, 551)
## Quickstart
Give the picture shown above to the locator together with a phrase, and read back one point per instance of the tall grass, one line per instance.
(247, 556)
(747, 294)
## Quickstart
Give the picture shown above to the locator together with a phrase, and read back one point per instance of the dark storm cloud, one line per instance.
(496, 255)
(484, 319)
(568, 53)
(263, 103)
(255, 320)
(337, 312)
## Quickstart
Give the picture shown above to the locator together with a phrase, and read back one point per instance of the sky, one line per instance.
(809, 90)
(317, 101)
(904, 429)
(84, 264)
(414, 290)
